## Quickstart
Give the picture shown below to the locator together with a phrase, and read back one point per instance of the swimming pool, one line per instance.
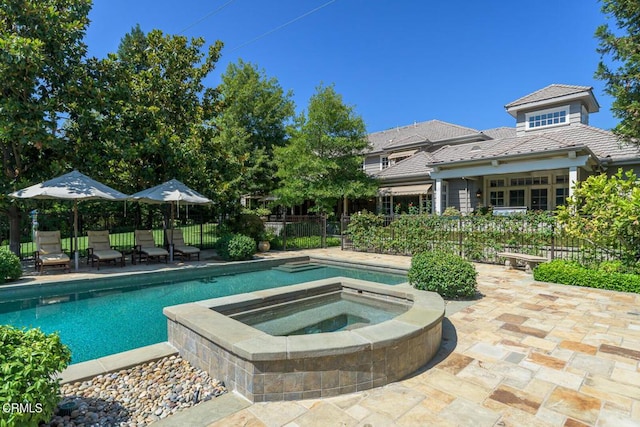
(98, 323)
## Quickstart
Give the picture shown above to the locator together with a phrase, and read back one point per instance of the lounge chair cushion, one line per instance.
(108, 254)
(99, 240)
(144, 239)
(153, 251)
(49, 242)
(179, 245)
(54, 259)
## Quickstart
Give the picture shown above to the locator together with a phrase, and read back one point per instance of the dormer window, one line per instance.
(546, 118)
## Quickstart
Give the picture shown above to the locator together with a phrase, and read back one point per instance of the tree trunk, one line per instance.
(14, 229)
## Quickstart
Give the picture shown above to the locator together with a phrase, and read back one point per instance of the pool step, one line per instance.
(295, 267)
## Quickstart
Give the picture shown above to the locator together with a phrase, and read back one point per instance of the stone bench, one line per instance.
(531, 261)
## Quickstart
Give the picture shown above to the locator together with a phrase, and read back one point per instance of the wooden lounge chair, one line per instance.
(49, 251)
(145, 247)
(100, 249)
(180, 247)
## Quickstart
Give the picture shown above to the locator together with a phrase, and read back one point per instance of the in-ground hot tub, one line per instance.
(315, 348)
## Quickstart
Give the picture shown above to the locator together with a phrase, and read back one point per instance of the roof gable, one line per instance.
(414, 165)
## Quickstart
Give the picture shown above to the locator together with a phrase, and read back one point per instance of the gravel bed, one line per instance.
(135, 397)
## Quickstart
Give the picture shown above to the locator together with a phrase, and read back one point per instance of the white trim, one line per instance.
(564, 109)
(505, 168)
(437, 204)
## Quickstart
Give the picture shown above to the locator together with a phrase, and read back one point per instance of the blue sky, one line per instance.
(396, 62)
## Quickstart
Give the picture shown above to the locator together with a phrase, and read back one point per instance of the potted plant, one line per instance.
(264, 244)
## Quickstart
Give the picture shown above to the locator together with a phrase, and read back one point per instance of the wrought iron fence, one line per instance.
(476, 238)
(197, 231)
(303, 232)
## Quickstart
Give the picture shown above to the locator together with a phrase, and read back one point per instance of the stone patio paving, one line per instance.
(525, 354)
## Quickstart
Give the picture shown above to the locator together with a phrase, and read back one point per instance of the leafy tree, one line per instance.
(622, 75)
(41, 47)
(253, 117)
(322, 161)
(606, 212)
(146, 121)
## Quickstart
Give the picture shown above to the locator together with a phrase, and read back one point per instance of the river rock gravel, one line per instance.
(135, 397)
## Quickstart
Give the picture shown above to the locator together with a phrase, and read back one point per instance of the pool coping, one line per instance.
(206, 318)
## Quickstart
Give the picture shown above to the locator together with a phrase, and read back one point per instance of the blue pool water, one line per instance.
(126, 318)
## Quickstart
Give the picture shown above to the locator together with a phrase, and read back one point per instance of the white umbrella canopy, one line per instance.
(74, 186)
(173, 192)
(170, 191)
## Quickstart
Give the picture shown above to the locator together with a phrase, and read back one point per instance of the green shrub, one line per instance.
(236, 247)
(572, 273)
(10, 268)
(447, 274)
(29, 361)
(304, 242)
(247, 224)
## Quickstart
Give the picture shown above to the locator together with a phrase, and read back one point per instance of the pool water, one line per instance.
(332, 312)
(97, 324)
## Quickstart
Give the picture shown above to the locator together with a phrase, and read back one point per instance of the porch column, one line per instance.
(437, 194)
(573, 179)
(419, 203)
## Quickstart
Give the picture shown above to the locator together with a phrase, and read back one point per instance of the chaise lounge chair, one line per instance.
(49, 251)
(100, 249)
(145, 247)
(180, 247)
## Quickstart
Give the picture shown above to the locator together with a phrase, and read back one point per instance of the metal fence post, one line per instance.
(553, 239)
(284, 230)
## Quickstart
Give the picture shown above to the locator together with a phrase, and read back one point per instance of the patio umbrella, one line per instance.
(71, 186)
(172, 192)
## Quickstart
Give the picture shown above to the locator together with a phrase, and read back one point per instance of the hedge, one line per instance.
(573, 273)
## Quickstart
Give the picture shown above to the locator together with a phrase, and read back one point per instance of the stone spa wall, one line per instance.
(263, 367)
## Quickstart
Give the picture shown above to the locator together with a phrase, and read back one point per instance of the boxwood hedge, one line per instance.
(573, 273)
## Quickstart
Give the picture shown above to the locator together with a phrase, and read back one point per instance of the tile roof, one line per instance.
(415, 165)
(429, 131)
(549, 92)
(501, 132)
(605, 145)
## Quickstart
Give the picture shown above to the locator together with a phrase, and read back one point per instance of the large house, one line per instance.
(434, 165)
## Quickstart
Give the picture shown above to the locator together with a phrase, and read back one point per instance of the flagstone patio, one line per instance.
(525, 354)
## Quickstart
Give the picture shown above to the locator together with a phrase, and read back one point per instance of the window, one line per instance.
(384, 162)
(496, 198)
(561, 196)
(535, 180)
(496, 183)
(386, 205)
(554, 117)
(562, 179)
(516, 198)
(539, 199)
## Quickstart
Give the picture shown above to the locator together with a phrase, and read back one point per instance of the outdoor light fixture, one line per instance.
(479, 193)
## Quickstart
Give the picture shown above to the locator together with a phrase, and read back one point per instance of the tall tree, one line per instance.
(622, 73)
(41, 47)
(322, 161)
(254, 114)
(149, 118)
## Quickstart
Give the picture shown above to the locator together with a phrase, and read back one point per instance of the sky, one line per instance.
(395, 61)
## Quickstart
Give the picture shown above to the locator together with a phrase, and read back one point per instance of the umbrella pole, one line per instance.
(76, 253)
(171, 234)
